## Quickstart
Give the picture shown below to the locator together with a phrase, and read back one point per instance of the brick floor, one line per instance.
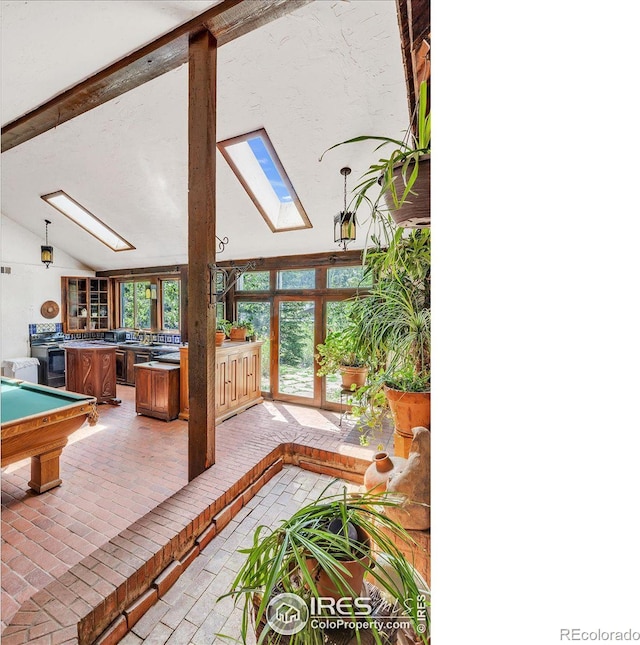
(69, 549)
(190, 611)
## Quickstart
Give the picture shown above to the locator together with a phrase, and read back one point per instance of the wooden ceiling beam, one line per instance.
(226, 21)
(414, 20)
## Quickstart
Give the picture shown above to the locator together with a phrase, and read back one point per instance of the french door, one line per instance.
(297, 329)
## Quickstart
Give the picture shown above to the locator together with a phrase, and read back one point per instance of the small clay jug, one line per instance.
(381, 468)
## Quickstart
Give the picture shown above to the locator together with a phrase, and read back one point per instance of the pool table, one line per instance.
(36, 422)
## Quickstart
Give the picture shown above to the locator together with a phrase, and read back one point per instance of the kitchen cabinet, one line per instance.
(237, 379)
(158, 390)
(85, 304)
(91, 369)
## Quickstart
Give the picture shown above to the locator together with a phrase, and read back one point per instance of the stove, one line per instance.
(45, 346)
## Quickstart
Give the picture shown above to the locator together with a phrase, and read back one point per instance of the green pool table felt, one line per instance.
(21, 400)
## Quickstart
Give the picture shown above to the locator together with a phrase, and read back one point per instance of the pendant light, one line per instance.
(46, 251)
(344, 224)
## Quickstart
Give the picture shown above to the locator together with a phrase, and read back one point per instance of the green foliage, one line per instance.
(259, 313)
(405, 154)
(339, 349)
(253, 281)
(277, 561)
(347, 278)
(170, 304)
(297, 279)
(134, 305)
(242, 324)
(296, 333)
(223, 325)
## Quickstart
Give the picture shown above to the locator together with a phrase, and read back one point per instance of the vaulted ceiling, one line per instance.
(323, 73)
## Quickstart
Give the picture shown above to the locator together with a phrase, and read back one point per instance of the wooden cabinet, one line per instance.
(158, 390)
(91, 369)
(237, 379)
(85, 304)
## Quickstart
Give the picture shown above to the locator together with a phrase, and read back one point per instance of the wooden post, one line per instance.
(202, 251)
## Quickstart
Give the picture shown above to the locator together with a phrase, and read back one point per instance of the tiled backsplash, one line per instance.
(40, 328)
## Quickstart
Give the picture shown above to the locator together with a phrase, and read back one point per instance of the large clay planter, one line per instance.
(355, 579)
(381, 469)
(353, 376)
(409, 410)
(416, 211)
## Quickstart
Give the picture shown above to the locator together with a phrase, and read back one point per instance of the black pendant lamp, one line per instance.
(46, 251)
(344, 224)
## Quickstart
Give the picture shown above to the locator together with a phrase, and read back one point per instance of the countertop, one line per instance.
(89, 344)
(173, 357)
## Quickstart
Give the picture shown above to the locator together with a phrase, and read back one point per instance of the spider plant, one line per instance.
(279, 562)
(405, 157)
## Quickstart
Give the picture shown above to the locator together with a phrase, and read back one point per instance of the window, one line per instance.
(255, 163)
(135, 307)
(170, 294)
(86, 220)
(347, 278)
(253, 281)
(297, 279)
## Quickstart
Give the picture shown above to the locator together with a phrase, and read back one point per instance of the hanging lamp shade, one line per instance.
(344, 223)
(46, 251)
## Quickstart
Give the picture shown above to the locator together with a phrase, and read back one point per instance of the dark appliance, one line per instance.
(115, 336)
(46, 348)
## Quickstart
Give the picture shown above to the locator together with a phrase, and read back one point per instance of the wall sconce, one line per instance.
(151, 292)
(46, 251)
(344, 224)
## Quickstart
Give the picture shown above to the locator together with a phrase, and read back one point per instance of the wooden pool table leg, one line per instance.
(45, 471)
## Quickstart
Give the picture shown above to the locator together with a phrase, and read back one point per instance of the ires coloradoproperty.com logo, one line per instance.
(288, 614)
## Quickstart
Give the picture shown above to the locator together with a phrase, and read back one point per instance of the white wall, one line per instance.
(29, 285)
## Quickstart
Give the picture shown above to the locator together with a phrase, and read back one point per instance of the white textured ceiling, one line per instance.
(324, 73)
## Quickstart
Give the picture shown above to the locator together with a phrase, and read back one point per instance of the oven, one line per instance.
(51, 359)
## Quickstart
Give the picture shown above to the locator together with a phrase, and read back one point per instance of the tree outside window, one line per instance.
(170, 293)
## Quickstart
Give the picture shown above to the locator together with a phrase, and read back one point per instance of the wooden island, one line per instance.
(238, 369)
(91, 369)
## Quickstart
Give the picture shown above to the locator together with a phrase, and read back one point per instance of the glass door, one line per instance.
(297, 336)
(258, 313)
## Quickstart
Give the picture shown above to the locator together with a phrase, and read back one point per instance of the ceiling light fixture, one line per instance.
(86, 220)
(46, 251)
(344, 224)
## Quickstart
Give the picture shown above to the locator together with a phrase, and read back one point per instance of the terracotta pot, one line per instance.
(220, 336)
(409, 410)
(238, 333)
(381, 469)
(355, 578)
(416, 211)
(353, 376)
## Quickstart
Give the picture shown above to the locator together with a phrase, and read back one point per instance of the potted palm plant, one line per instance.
(325, 550)
(402, 179)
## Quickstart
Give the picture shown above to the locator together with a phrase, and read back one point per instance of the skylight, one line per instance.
(255, 163)
(89, 222)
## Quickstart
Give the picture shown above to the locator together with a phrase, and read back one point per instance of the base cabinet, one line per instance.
(92, 370)
(237, 379)
(158, 390)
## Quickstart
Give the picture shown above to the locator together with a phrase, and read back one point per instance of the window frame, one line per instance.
(295, 200)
